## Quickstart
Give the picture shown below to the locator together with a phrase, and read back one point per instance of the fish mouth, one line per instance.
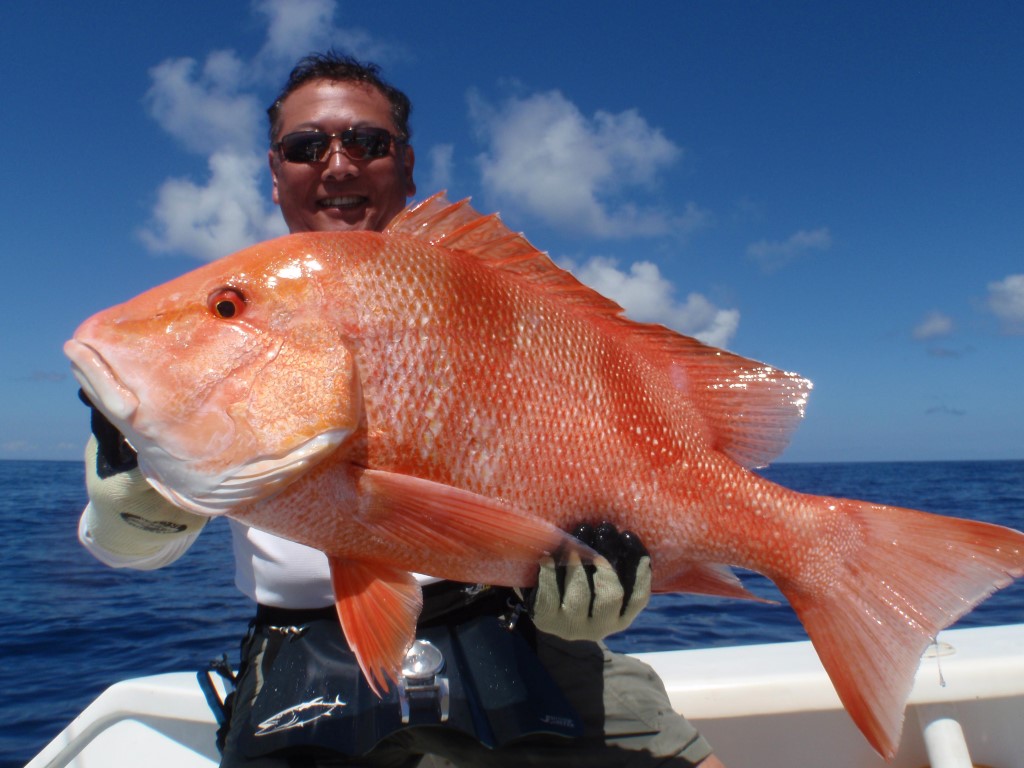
(99, 382)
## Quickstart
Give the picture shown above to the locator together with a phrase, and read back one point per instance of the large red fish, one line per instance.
(441, 398)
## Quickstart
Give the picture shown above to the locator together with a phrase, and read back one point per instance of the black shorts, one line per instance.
(503, 697)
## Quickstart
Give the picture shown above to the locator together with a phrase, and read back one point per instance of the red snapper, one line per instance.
(441, 398)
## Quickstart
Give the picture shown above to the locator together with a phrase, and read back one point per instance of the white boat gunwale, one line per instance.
(743, 698)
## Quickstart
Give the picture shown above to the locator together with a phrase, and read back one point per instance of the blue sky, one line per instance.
(833, 188)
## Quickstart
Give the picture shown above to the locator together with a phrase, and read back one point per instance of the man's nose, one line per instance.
(339, 164)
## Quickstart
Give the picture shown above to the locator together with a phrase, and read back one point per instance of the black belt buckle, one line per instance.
(421, 683)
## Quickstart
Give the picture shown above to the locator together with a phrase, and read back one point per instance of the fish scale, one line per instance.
(441, 398)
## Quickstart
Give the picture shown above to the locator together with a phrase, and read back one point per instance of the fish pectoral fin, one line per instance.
(378, 607)
(473, 538)
(707, 579)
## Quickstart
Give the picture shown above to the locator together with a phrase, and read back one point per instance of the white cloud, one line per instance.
(945, 410)
(213, 109)
(545, 157)
(775, 255)
(228, 212)
(1006, 301)
(17, 448)
(934, 325)
(296, 27)
(648, 297)
(205, 109)
(439, 173)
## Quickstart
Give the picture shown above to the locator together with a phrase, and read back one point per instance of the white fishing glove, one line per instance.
(580, 601)
(127, 522)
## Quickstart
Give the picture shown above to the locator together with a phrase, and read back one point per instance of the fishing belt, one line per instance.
(472, 669)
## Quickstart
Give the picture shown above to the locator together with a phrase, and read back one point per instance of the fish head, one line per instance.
(230, 381)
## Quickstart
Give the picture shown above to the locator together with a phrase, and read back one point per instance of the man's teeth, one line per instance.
(341, 202)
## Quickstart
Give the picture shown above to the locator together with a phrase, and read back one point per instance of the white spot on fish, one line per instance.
(290, 272)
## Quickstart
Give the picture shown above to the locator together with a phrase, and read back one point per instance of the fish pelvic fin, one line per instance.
(462, 535)
(378, 607)
(912, 575)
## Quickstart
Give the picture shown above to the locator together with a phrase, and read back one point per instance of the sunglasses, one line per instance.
(314, 146)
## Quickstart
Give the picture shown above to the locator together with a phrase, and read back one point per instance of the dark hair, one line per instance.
(341, 67)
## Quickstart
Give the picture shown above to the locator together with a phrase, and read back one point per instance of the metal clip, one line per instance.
(292, 630)
(420, 681)
(510, 618)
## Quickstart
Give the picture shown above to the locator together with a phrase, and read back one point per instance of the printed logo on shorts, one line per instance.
(300, 715)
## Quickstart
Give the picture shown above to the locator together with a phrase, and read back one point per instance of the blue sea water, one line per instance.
(72, 627)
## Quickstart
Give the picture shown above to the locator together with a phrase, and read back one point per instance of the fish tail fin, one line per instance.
(910, 575)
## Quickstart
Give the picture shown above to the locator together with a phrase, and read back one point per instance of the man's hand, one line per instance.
(112, 453)
(583, 601)
(126, 516)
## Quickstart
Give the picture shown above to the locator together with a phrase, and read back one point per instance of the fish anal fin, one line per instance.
(707, 579)
(910, 575)
(378, 607)
(460, 535)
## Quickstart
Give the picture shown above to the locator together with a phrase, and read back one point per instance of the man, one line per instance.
(340, 160)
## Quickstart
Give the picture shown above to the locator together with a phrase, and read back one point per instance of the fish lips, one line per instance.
(100, 384)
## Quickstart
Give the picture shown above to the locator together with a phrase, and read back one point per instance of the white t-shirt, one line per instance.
(280, 573)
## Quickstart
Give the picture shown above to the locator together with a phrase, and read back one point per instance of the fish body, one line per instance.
(441, 398)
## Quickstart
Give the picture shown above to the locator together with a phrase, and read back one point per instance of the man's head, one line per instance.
(364, 178)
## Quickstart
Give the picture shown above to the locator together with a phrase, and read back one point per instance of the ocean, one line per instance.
(73, 626)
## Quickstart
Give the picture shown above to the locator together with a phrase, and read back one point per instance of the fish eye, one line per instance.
(226, 303)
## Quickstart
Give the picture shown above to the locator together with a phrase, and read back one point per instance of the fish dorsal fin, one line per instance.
(458, 226)
(433, 218)
(750, 408)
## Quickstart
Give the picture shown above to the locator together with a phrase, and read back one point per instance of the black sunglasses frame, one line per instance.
(314, 146)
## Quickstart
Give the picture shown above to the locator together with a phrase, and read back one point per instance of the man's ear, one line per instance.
(272, 161)
(409, 160)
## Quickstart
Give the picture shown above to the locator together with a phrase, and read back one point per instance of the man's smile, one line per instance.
(342, 201)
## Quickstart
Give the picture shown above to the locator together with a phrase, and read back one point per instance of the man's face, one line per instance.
(339, 193)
